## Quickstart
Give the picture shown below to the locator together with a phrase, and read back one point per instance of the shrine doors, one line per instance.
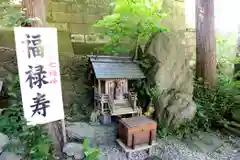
(110, 87)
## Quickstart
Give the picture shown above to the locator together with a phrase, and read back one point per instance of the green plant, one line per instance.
(131, 21)
(90, 153)
(226, 52)
(162, 130)
(35, 140)
(13, 16)
(213, 106)
(14, 19)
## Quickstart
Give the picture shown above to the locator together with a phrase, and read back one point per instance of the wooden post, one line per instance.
(133, 141)
(36, 10)
(102, 109)
(99, 86)
(126, 86)
(150, 138)
(64, 131)
(106, 87)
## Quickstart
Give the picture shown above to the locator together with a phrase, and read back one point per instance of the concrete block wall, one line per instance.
(77, 16)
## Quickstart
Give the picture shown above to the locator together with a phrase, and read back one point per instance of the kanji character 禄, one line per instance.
(36, 78)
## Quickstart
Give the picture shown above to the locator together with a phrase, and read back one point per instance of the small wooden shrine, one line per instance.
(111, 76)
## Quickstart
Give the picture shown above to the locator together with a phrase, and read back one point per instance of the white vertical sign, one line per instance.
(39, 74)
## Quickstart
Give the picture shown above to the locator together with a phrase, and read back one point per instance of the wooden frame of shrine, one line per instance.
(110, 76)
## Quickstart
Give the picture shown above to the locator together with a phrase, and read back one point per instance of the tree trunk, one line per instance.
(36, 11)
(205, 42)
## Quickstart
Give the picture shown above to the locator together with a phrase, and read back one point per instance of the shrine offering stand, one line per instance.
(140, 147)
(136, 133)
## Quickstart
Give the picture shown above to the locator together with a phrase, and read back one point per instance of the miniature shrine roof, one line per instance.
(115, 67)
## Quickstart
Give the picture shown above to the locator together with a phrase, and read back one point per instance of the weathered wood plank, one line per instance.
(1, 86)
(123, 111)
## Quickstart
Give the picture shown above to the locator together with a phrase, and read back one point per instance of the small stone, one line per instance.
(9, 156)
(103, 157)
(80, 131)
(153, 158)
(74, 150)
(3, 141)
(204, 142)
(16, 146)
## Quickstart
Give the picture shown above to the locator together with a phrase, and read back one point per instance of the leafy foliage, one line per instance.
(90, 153)
(226, 51)
(14, 19)
(131, 21)
(145, 88)
(34, 138)
(13, 16)
(214, 107)
(80, 109)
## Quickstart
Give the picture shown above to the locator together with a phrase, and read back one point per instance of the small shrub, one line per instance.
(12, 123)
(90, 153)
(213, 106)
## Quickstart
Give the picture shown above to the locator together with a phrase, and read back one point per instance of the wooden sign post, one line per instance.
(40, 82)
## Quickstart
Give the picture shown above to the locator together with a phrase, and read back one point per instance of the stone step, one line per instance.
(205, 142)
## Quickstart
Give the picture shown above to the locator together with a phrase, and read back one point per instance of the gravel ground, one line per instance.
(169, 148)
(172, 149)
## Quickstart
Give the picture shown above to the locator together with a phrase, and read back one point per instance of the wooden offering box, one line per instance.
(136, 131)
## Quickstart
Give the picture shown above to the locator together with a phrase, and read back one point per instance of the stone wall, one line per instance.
(77, 16)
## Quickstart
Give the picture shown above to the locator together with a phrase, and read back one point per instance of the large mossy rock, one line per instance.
(173, 78)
